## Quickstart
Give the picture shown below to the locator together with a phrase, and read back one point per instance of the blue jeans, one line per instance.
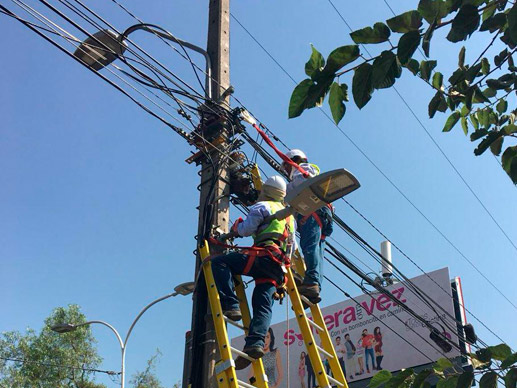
(312, 249)
(368, 352)
(223, 267)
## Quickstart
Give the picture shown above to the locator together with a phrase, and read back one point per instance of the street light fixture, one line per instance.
(181, 289)
(105, 46)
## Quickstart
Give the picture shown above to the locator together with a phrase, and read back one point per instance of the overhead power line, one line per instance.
(382, 172)
(51, 365)
(241, 104)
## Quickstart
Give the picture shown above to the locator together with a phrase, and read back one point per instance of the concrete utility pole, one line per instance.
(203, 342)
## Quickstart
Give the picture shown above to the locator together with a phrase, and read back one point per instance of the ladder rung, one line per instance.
(333, 380)
(236, 324)
(307, 301)
(314, 324)
(222, 366)
(243, 384)
(325, 352)
(242, 354)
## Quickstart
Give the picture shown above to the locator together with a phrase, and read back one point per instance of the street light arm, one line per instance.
(142, 312)
(153, 29)
(108, 326)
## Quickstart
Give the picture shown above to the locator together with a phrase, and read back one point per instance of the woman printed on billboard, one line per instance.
(360, 355)
(301, 369)
(272, 361)
(367, 342)
(378, 347)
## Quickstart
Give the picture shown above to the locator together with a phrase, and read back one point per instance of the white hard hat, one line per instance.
(277, 182)
(292, 153)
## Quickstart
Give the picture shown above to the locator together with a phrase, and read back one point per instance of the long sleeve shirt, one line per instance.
(256, 216)
(298, 178)
(254, 221)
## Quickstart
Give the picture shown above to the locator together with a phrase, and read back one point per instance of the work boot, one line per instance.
(254, 352)
(310, 291)
(234, 315)
(298, 279)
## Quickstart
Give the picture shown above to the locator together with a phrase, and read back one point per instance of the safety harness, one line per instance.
(270, 243)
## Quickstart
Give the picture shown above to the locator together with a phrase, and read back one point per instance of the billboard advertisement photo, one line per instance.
(369, 334)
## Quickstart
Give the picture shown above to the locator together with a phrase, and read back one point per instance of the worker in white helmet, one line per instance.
(264, 262)
(313, 228)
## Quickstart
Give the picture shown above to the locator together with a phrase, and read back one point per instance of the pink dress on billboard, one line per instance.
(301, 368)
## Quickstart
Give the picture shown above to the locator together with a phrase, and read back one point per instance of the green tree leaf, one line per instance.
(498, 84)
(315, 62)
(437, 80)
(399, 379)
(340, 57)
(407, 46)
(338, 94)
(298, 101)
(318, 91)
(386, 69)
(480, 96)
(512, 359)
(474, 121)
(488, 12)
(465, 125)
(449, 124)
(437, 103)
(413, 66)
(510, 379)
(147, 378)
(461, 57)
(464, 24)
(488, 380)
(426, 67)
(473, 72)
(502, 351)
(421, 377)
(485, 66)
(444, 363)
(465, 379)
(75, 349)
(433, 9)
(378, 34)
(494, 23)
(449, 382)
(512, 23)
(483, 146)
(501, 107)
(362, 88)
(379, 378)
(408, 21)
(496, 146)
(426, 44)
(478, 134)
(508, 130)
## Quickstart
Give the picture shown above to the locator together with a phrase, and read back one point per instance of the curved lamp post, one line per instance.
(105, 46)
(181, 289)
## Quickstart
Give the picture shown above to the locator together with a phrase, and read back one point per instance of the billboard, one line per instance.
(372, 334)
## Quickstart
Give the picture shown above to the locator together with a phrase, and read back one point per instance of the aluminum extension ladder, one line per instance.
(225, 367)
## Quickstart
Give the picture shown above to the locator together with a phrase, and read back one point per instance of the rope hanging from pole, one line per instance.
(282, 156)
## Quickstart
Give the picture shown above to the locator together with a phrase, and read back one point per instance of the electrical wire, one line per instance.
(440, 149)
(108, 372)
(29, 26)
(112, 83)
(384, 174)
(243, 209)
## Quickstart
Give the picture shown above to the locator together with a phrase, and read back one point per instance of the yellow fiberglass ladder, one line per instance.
(225, 367)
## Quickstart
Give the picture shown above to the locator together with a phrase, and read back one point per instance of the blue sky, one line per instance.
(97, 205)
